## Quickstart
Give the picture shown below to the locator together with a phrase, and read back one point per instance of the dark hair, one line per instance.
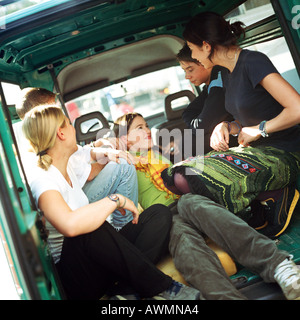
(123, 123)
(32, 97)
(185, 54)
(214, 29)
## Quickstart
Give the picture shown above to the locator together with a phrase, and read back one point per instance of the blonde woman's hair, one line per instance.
(40, 126)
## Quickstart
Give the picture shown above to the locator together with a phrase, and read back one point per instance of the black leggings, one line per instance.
(91, 263)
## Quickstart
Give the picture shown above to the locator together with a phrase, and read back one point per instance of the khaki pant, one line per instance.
(198, 217)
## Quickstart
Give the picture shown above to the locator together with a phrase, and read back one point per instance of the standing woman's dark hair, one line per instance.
(214, 29)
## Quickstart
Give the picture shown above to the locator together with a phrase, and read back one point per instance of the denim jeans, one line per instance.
(198, 217)
(114, 178)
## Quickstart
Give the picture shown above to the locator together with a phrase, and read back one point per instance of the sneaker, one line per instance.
(279, 213)
(125, 297)
(178, 291)
(287, 275)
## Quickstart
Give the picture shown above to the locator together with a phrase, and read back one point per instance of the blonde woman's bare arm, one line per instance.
(83, 220)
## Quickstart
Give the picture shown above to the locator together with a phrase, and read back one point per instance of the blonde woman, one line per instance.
(89, 253)
(98, 180)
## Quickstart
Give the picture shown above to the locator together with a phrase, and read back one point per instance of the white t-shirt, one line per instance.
(52, 179)
(80, 162)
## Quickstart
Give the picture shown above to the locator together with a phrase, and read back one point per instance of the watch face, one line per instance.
(113, 197)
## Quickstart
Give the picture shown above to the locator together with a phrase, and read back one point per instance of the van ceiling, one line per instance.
(90, 42)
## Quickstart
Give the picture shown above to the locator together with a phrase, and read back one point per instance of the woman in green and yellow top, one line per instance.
(135, 135)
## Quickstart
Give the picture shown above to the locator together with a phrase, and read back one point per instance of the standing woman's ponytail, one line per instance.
(213, 29)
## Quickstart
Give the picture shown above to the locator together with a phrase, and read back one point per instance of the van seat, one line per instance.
(173, 123)
(88, 126)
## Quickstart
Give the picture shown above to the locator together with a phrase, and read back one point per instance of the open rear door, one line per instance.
(27, 253)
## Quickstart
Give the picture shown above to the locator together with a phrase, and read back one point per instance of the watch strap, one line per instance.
(115, 198)
(262, 129)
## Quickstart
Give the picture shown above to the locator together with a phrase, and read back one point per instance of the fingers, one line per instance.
(244, 144)
(220, 138)
(129, 205)
(127, 156)
(135, 217)
(115, 155)
(219, 145)
(122, 211)
(134, 213)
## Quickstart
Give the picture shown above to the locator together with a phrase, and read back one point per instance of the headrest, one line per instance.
(171, 114)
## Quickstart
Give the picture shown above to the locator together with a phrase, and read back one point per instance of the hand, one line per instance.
(127, 204)
(112, 142)
(219, 139)
(248, 135)
(105, 143)
(104, 155)
(114, 155)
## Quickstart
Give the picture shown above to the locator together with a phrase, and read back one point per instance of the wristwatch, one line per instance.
(262, 129)
(115, 198)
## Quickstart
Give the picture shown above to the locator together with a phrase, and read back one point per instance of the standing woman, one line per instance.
(266, 106)
(90, 255)
(266, 110)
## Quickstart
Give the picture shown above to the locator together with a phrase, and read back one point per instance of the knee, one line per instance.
(181, 183)
(120, 168)
(192, 204)
(184, 238)
(162, 212)
(185, 204)
(126, 167)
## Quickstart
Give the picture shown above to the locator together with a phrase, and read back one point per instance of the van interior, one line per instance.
(100, 56)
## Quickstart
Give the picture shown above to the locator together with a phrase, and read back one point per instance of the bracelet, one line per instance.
(239, 128)
(123, 203)
(229, 125)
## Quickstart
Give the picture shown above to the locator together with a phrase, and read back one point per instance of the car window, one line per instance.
(251, 11)
(277, 50)
(144, 94)
(11, 92)
(21, 8)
